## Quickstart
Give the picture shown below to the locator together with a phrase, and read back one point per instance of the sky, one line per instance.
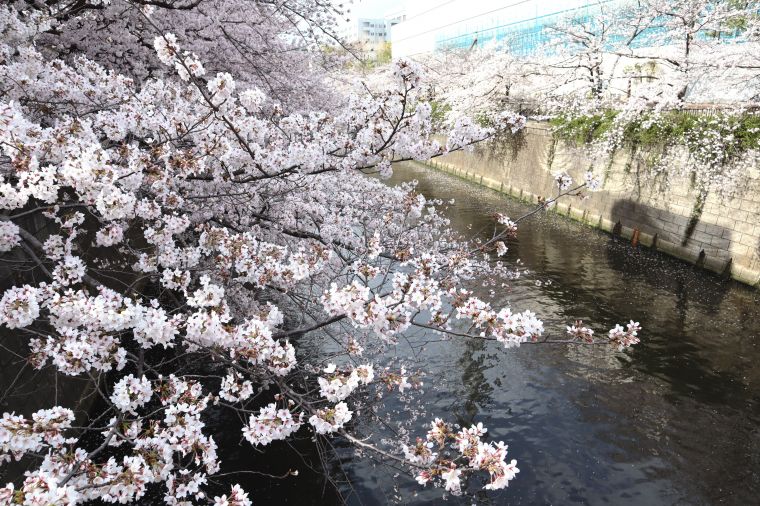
(371, 8)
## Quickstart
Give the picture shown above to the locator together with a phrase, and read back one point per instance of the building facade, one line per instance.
(366, 30)
(369, 29)
(520, 26)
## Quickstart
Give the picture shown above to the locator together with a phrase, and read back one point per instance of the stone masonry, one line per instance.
(723, 236)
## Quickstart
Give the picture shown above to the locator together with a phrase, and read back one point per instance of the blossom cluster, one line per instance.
(472, 455)
(330, 419)
(170, 208)
(625, 338)
(338, 385)
(511, 329)
(129, 393)
(580, 332)
(271, 424)
(19, 435)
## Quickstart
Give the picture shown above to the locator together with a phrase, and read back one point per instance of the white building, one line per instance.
(370, 21)
(368, 24)
(366, 30)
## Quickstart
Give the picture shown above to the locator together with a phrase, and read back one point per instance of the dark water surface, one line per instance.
(676, 420)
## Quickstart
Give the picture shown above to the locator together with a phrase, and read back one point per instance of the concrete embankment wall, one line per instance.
(720, 233)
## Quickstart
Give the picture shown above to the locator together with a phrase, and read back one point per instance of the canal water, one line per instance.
(675, 420)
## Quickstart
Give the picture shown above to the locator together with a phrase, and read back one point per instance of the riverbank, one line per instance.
(715, 232)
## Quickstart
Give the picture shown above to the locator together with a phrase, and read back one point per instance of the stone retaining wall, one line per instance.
(724, 236)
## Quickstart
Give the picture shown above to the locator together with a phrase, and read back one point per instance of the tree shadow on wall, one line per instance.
(664, 271)
(504, 145)
(714, 240)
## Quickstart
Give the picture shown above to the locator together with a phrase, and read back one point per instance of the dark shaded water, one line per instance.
(676, 420)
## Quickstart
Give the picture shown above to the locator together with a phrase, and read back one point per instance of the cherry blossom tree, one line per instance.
(643, 54)
(476, 81)
(263, 43)
(628, 70)
(693, 41)
(167, 201)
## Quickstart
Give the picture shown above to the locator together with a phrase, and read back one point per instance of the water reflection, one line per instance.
(676, 421)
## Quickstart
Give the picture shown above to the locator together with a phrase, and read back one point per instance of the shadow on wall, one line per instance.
(706, 245)
(504, 146)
